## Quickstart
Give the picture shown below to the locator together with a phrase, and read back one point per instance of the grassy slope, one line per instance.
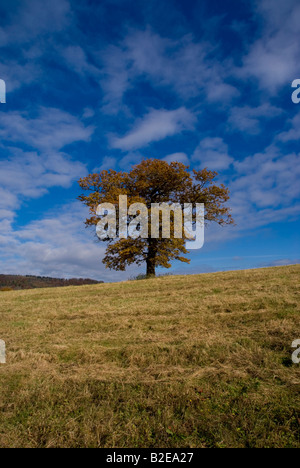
(194, 361)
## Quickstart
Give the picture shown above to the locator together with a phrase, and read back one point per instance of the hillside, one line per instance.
(184, 361)
(17, 282)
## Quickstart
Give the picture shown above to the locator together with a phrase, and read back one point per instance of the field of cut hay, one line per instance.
(182, 361)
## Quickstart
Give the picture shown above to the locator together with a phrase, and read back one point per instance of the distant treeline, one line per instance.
(8, 282)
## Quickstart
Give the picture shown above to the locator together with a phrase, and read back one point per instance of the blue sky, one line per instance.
(102, 84)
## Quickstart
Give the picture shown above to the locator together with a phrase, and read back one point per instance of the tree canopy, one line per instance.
(153, 181)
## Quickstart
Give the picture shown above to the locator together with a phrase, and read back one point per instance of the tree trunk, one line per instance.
(151, 257)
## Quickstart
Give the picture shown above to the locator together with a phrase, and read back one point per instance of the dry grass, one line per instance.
(185, 361)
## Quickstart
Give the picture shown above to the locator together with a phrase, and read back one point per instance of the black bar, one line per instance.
(143, 457)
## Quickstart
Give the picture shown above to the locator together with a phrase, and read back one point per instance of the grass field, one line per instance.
(183, 361)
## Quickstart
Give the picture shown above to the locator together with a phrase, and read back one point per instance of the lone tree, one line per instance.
(153, 181)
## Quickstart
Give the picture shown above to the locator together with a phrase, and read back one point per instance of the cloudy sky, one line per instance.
(102, 84)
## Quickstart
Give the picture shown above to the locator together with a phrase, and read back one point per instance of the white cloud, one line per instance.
(212, 153)
(30, 26)
(30, 175)
(16, 75)
(57, 245)
(294, 133)
(177, 157)
(26, 174)
(274, 58)
(185, 66)
(115, 80)
(51, 130)
(248, 119)
(155, 126)
(33, 18)
(78, 61)
(265, 189)
(131, 158)
(88, 113)
(107, 163)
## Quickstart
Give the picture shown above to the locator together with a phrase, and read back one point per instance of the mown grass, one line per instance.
(185, 361)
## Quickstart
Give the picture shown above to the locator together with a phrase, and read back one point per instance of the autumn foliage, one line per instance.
(153, 181)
